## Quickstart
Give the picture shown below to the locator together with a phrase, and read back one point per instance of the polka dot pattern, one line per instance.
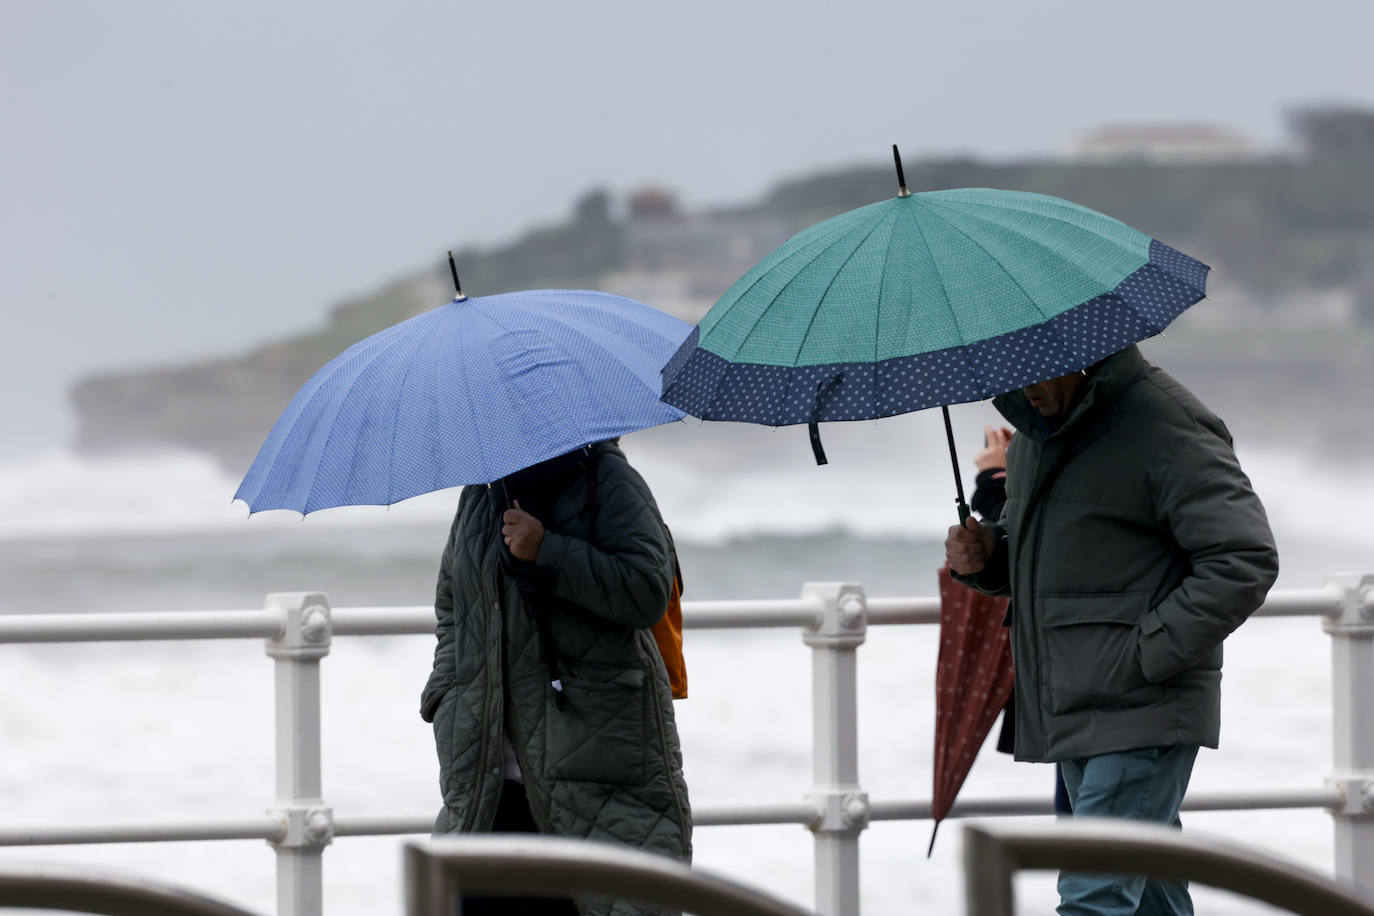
(1190, 271)
(973, 681)
(712, 388)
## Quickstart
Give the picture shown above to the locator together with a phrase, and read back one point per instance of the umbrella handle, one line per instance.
(954, 460)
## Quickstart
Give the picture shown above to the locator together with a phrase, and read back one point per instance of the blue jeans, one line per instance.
(1145, 784)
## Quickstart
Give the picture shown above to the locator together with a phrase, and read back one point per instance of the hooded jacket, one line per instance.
(1131, 545)
(603, 762)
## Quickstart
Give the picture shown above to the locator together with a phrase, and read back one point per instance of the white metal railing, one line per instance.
(298, 628)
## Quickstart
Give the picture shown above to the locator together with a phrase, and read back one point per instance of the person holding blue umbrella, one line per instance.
(549, 700)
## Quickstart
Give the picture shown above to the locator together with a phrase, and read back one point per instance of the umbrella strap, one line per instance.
(823, 388)
(816, 448)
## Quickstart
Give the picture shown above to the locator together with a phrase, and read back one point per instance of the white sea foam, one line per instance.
(60, 493)
(712, 481)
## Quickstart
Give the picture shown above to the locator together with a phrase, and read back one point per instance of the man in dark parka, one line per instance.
(1131, 545)
(549, 698)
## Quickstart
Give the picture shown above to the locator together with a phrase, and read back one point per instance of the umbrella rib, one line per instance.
(472, 405)
(301, 402)
(1046, 323)
(1033, 241)
(878, 315)
(979, 245)
(1045, 319)
(581, 368)
(577, 364)
(953, 314)
(1049, 201)
(821, 302)
(395, 425)
(820, 237)
(830, 241)
(796, 359)
(559, 321)
(352, 385)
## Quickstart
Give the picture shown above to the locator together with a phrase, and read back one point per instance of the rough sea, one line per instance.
(154, 731)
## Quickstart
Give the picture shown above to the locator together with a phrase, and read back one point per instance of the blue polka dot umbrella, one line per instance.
(466, 393)
(927, 300)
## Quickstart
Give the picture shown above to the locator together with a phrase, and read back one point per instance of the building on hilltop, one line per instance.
(652, 204)
(1334, 131)
(683, 261)
(1161, 144)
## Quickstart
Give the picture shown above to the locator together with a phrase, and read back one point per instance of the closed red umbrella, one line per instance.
(973, 681)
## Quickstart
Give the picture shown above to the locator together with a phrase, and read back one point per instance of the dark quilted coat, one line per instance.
(1131, 545)
(607, 766)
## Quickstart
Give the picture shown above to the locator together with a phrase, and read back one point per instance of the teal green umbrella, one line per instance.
(927, 300)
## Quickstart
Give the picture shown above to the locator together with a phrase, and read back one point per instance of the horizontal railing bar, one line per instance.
(709, 816)
(698, 615)
(1306, 602)
(247, 828)
(145, 625)
(743, 815)
(1323, 797)
(412, 620)
(729, 615)
(419, 620)
(383, 824)
(885, 611)
(1023, 805)
(752, 815)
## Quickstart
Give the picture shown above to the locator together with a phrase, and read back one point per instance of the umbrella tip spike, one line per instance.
(901, 176)
(457, 287)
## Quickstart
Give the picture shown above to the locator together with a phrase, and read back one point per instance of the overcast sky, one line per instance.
(180, 179)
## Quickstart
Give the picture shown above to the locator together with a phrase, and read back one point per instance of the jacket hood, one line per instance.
(577, 459)
(1106, 382)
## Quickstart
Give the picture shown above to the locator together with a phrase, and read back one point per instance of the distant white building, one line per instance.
(1170, 144)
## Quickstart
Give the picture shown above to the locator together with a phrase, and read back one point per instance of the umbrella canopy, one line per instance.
(466, 393)
(973, 681)
(926, 300)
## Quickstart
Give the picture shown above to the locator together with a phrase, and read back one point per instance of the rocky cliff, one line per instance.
(1292, 240)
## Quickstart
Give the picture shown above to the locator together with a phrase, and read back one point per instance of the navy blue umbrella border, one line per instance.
(711, 387)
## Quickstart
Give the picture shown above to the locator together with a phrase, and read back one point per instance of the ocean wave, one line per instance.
(713, 482)
(60, 493)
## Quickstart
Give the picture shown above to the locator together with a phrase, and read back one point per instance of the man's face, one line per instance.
(1055, 397)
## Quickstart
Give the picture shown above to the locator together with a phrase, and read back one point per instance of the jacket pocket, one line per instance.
(1092, 646)
(599, 735)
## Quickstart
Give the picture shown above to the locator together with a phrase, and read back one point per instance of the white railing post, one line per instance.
(307, 825)
(841, 804)
(1352, 727)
